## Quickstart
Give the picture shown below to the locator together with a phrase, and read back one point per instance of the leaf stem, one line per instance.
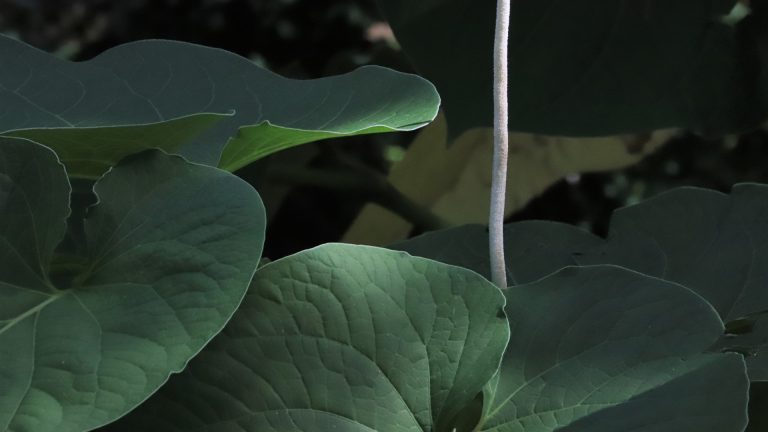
(500, 144)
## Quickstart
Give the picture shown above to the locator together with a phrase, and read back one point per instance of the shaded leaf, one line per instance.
(171, 249)
(602, 348)
(533, 249)
(455, 181)
(341, 337)
(206, 94)
(712, 243)
(88, 152)
(593, 68)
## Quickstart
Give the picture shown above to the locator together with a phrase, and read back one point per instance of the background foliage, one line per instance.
(310, 39)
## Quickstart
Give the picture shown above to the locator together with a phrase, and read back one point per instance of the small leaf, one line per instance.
(341, 337)
(172, 248)
(604, 349)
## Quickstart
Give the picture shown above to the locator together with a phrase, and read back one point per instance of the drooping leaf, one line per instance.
(712, 243)
(604, 349)
(454, 181)
(172, 247)
(599, 67)
(192, 99)
(341, 337)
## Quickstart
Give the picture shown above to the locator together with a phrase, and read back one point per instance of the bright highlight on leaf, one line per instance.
(172, 248)
(340, 337)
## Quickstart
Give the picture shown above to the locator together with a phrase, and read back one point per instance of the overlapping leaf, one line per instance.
(597, 67)
(191, 99)
(172, 248)
(604, 349)
(712, 243)
(341, 338)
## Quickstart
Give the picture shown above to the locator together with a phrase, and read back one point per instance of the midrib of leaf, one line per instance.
(32, 311)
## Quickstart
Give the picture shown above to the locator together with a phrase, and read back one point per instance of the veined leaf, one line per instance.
(604, 349)
(341, 337)
(192, 100)
(712, 243)
(83, 340)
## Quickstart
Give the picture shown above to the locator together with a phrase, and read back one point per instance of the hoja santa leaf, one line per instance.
(198, 101)
(171, 249)
(341, 338)
(712, 243)
(604, 349)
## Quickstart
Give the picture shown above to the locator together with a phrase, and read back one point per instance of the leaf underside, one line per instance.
(198, 101)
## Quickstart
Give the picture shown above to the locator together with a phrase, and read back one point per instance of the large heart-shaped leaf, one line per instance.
(172, 248)
(341, 337)
(179, 96)
(604, 349)
(712, 243)
(596, 67)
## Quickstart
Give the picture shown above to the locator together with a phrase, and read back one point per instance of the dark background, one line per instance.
(314, 38)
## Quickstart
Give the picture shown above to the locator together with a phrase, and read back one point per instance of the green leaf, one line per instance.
(597, 67)
(172, 248)
(604, 349)
(88, 152)
(341, 337)
(712, 243)
(180, 97)
(533, 249)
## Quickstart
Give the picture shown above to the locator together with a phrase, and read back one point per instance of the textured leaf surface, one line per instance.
(590, 68)
(604, 349)
(712, 243)
(341, 337)
(206, 94)
(172, 248)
